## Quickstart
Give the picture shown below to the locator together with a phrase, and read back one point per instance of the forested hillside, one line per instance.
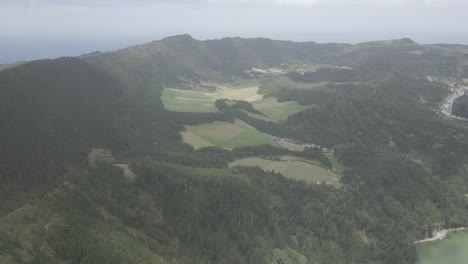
(94, 169)
(52, 112)
(460, 107)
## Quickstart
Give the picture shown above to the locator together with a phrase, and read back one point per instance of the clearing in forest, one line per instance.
(188, 101)
(293, 167)
(200, 101)
(278, 110)
(224, 135)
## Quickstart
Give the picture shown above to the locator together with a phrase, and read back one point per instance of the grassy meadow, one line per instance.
(224, 135)
(200, 101)
(203, 102)
(188, 101)
(339, 167)
(278, 110)
(292, 167)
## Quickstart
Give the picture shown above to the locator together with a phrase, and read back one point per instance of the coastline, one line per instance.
(440, 235)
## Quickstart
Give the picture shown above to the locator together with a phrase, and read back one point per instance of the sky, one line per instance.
(34, 29)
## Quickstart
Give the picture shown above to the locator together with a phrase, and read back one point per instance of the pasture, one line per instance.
(200, 101)
(293, 167)
(261, 117)
(224, 135)
(278, 110)
(188, 101)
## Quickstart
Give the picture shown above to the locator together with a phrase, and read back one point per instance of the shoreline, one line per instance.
(446, 107)
(440, 235)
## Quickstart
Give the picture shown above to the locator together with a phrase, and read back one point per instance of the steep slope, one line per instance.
(404, 174)
(178, 58)
(359, 113)
(375, 59)
(51, 112)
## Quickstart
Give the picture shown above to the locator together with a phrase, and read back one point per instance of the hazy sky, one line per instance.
(32, 29)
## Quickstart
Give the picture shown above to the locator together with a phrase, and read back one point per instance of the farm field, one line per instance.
(242, 90)
(202, 101)
(224, 135)
(278, 110)
(179, 100)
(293, 167)
(451, 250)
(261, 117)
(188, 101)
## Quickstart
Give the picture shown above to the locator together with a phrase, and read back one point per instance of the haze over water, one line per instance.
(34, 29)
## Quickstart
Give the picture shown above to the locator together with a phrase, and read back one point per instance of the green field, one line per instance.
(452, 250)
(276, 110)
(246, 90)
(202, 101)
(261, 117)
(294, 168)
(224, 135)
(337, 165)
(188, 101)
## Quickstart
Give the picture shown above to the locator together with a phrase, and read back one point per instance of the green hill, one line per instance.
(53, 111)
(93, 168)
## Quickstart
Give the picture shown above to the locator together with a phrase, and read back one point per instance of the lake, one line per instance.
(452, 250)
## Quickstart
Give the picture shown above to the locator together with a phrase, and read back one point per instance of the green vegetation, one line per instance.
(74, 128)
(9, 65)
(260, 116)
(337, 165)
(326, 75)
(201, 101)
(460, 106)
(286, 89)
(373, 113)
(188, 101)
(278, 111)
(451, 250)
(292, 167)
(246, 90)
(54, 112)
(224, 135)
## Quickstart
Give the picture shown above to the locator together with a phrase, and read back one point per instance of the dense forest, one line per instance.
(67, 122)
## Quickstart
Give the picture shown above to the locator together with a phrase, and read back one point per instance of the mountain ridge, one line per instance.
(66, 122)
